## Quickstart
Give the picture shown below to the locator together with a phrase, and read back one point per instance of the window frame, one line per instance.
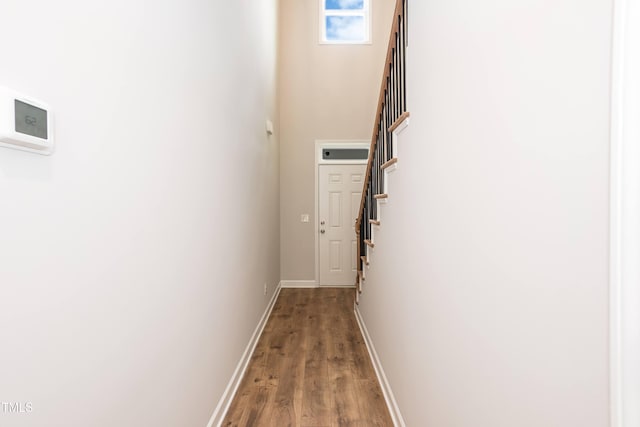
(324, 13)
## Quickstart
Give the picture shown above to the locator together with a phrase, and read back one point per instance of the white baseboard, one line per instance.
(303, 284)
(338, 286)
(227, 397)
(394, 410)
(299, 284)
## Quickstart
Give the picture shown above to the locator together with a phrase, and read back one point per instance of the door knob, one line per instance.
(321, 222)
(322, 231)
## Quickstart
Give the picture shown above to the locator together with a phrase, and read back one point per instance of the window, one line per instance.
(345, 22)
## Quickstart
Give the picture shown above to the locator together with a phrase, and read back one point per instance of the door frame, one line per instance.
(321, 144)
(624, 281)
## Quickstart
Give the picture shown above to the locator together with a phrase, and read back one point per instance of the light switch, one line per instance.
(304, 218)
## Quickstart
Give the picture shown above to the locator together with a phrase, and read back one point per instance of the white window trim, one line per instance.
(330, 12)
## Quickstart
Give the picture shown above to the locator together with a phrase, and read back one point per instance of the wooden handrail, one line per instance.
(390, 113)
(397, 18)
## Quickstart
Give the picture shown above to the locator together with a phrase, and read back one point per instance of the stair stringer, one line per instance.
(381, 204)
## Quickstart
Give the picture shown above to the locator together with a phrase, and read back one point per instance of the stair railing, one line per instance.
(392, 110)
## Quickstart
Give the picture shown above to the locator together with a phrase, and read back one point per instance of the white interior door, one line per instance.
(339, 192)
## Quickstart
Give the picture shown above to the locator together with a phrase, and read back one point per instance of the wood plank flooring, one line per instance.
(310, 368)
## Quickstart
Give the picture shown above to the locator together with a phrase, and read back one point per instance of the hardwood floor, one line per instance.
(310, 367)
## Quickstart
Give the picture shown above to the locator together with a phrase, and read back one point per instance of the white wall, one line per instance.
(625, 217)
(132, 261)
(327, 92)
(487, 296)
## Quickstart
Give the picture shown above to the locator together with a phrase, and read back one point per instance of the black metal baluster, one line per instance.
(393, 106)
(389, 134)
(397, 69)
(380, 162)
(405, 28)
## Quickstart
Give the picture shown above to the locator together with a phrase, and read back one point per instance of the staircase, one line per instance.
(391, 117)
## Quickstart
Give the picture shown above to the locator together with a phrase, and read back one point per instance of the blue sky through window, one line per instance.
(345, 28)
(344, 4)
(344, 21)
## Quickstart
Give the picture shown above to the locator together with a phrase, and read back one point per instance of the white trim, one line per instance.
(299, 284)
(320, 144)
(389, 398)
(396, 136)
(338, 286)
(625, 217)
(402, 126)
(387, 171)
(306, 284)
(232, 387)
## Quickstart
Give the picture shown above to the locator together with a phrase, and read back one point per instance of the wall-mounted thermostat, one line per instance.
(25, 124)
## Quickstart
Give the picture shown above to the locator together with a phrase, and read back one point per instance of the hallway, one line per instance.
(142, 254)
(310, 367)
